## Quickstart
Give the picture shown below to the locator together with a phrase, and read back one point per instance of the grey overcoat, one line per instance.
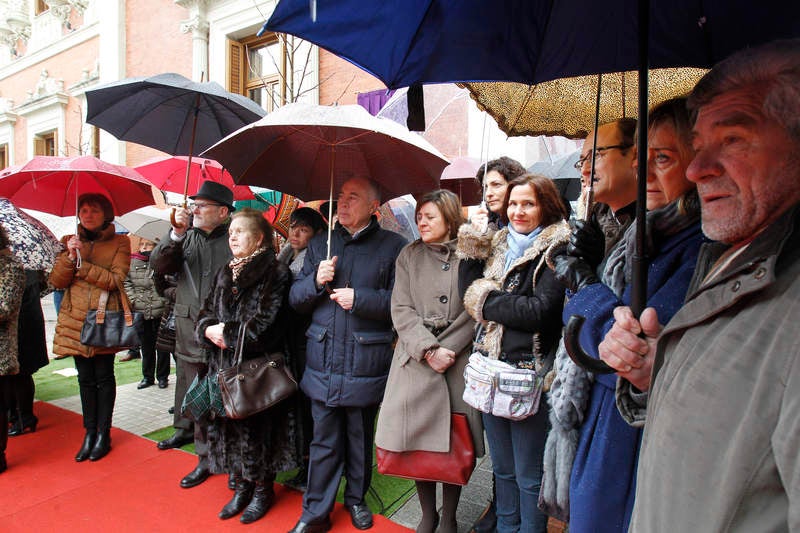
(418, 401)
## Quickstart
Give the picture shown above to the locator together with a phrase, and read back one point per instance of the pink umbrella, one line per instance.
(459, 177)
(169, 174)
(52, 184)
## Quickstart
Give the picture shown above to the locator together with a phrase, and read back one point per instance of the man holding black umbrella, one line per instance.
(722, 429)
(195, 254)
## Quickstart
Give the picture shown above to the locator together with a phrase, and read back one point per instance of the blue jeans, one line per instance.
(517, 450)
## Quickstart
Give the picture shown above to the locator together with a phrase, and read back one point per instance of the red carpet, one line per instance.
(134, 488)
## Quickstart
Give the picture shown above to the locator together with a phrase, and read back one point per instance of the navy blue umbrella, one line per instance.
(403, 42)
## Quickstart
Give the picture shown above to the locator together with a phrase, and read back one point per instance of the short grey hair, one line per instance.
(772, 69)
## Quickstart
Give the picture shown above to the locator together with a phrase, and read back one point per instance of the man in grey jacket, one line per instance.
(194, 253)
(722, 427)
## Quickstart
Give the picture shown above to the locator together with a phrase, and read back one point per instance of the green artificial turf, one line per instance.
(52, 386)
(386, 494)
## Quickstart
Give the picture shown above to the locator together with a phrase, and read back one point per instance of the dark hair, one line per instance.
(771, 70)
(305, 216)
(255, 219)
(505, 166)
(551, 204)
(99, 200)
(4, 240)
(449, 205)
(627, 129)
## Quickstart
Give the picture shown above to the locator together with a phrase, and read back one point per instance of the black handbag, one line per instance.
(251, 386)
(116, 330)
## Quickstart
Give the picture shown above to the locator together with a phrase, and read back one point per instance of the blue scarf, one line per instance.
(518, 243)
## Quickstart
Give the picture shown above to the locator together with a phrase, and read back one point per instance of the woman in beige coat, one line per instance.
(103, 263)
(426, 379)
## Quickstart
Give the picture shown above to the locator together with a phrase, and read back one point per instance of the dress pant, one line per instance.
(179, 422)
(342, 443)
(186, 371)
(155, 363)
(98, 389)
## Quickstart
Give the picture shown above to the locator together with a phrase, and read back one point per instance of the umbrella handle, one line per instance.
(172, 218)
(572, 333)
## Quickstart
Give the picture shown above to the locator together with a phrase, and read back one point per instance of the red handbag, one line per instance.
(454, 467)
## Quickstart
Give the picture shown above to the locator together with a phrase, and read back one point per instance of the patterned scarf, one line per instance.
(238, 263)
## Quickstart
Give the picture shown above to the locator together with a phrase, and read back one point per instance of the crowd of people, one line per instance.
(697, 429)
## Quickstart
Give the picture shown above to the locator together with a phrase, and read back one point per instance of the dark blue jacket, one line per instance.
(349, 352)
(603, 480)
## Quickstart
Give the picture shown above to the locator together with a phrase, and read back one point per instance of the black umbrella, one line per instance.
(170, 113)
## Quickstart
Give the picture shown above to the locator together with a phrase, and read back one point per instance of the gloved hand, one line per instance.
(587, 242)
(573, 272)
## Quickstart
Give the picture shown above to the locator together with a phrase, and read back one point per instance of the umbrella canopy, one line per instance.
(169, 112)
(567, 106)
(459, 177)
(309, 150)
(31, 241)
(527, 41)
(52, 184)
(169, 174)
(149, 222)
(563, 172)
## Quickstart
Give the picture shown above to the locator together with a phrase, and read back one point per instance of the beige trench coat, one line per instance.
(417, 402)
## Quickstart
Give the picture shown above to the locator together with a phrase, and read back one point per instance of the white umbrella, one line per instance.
(149, 222)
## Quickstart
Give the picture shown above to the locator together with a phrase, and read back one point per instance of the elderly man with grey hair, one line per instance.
(722, 427)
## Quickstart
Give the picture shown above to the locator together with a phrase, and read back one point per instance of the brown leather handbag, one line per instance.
(251, 386)
(454, 467)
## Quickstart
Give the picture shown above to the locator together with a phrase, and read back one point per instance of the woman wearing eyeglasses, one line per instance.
(602, 484)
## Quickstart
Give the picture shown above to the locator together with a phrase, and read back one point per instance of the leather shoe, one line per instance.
(175, 441)
(312, 527)
(195, 477)
(263, 496)
(162, 383)
(145, 383)
(241, 498)
(360, 515)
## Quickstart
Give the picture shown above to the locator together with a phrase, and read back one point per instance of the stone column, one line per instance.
(197, 23)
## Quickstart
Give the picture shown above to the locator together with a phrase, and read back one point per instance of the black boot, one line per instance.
(3, 439)
(263, 496)
(242, 496)
(22, 425)
(86, 447)
(101, 446)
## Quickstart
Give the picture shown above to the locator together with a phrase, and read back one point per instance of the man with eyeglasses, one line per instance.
(194, 253)
(583, 263)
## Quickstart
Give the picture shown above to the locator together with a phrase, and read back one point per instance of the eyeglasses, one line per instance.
(201, 205)
(599, 153)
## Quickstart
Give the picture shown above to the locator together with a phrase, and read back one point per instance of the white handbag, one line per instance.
(497, 388)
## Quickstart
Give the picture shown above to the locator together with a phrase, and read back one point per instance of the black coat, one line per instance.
(32, 341)
(349, 352)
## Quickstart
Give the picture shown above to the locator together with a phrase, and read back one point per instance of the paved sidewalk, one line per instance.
(144, 411)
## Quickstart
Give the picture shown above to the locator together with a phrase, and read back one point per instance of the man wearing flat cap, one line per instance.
(194, 253)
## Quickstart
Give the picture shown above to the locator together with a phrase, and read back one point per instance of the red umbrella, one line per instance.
(52, 184)
(169, 174)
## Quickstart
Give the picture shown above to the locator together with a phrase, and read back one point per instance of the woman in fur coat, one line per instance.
(518, 304)
(248, 298)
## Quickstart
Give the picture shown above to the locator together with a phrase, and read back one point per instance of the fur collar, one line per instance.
(255, 271)
(543, 248)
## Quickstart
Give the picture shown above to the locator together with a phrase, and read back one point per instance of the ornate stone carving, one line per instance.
(45, 86)
(18, 19)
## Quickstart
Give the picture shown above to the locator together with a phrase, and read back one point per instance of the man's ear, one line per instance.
(375, 205)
